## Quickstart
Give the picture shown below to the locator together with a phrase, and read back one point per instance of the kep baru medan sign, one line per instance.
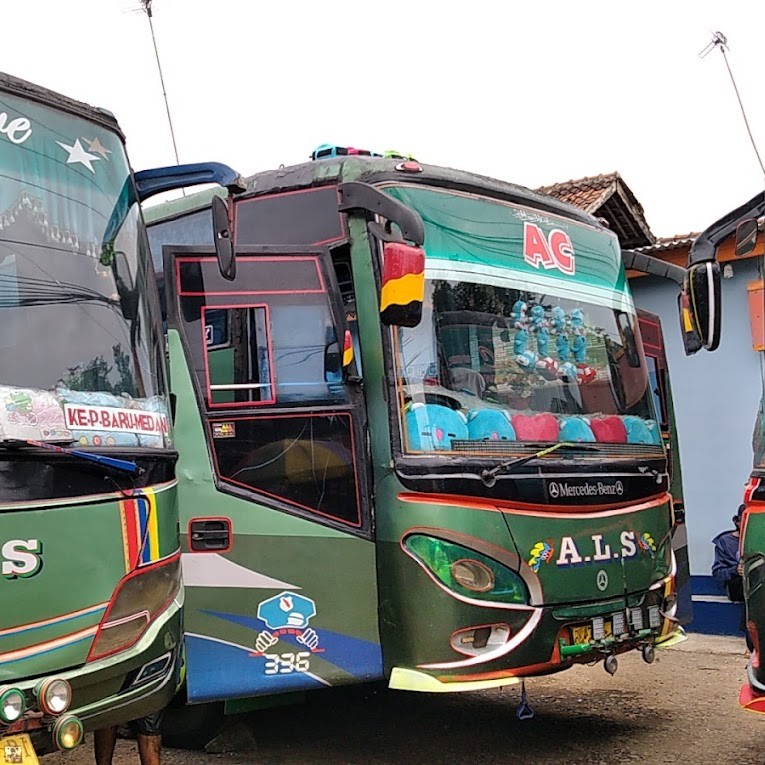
(139, 422)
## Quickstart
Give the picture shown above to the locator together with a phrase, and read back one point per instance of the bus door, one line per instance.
(276, 515)
(658, 379)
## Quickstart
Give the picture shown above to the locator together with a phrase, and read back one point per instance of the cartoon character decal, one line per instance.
(287, 614)
(646, 544)
(541, 552)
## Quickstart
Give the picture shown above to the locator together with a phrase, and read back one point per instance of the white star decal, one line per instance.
(78, 155)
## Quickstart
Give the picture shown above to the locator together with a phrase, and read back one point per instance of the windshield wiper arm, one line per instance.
(489, 475)
(127, 466)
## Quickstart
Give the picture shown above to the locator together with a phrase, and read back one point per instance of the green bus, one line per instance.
(701, 319)
(90, 592)
(418, 441)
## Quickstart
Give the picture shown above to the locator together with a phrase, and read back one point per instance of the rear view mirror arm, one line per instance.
(650, 265)
(704, 247)
(355, 195)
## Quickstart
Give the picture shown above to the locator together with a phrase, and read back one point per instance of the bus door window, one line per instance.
(267, 357)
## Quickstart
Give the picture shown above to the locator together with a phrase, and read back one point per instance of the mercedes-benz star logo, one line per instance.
(553, 489)
(601, 580)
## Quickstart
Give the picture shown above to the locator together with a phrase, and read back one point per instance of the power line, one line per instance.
(146, 4)
(719, 40)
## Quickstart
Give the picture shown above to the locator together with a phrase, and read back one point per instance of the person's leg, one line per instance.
(149, 748)
(103, 745)
(148, 730)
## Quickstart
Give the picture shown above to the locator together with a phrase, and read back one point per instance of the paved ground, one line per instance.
(682, 709)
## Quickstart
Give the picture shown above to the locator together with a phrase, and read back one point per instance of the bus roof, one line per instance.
(370, 170)
(24, 89)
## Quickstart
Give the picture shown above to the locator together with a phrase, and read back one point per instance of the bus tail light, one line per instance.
(139, 598)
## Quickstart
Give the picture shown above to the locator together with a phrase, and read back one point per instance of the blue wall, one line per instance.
(716, 396)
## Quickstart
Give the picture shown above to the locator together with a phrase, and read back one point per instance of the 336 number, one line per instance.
(286, 663)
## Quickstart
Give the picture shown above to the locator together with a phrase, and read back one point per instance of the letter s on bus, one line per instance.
(629, 548)
(21, 558)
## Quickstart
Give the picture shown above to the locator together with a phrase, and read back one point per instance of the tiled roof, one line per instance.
(607, 197)
(586, 193)
(664, 243)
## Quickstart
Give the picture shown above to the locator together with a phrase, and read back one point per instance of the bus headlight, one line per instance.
(473, 575)
(54, 695)
(139, 598)
(466, 572)
(12, 704)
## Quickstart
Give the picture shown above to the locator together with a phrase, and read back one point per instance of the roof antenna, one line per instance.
(146, 6)
(719, 40)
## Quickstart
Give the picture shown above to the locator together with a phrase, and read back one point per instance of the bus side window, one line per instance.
(658, 389)
(238, 356)
(341, 264)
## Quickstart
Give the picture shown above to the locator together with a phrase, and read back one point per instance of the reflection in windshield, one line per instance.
(491, 364)
(74, 316)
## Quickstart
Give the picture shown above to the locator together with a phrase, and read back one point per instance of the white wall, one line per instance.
(716, 397)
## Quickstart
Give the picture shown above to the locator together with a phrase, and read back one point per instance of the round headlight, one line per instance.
(68, 732)
(473, 575)
(54, 696)
(12, 704)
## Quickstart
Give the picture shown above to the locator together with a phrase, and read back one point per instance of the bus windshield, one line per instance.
(79, 358)
(529, 334)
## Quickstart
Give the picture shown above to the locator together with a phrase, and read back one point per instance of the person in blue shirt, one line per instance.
(727, 567)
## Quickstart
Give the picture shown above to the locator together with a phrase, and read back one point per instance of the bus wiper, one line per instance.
(489, 475)
(127, 466)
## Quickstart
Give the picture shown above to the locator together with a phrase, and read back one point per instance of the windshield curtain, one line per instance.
(508, 353)
(80, 349)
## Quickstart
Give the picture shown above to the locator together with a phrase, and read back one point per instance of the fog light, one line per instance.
(54, 696)
(636, 618)
(473, 575)
(654, 617)
(12, 704)
(68, 732)
(477, 640)
(620, 623)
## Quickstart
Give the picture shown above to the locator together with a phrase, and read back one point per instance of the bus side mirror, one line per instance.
(403, 284)
(224, 245)
(746, 237)
(699, 304)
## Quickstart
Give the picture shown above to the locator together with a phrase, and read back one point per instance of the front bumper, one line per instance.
(543, 640)
(113, 690)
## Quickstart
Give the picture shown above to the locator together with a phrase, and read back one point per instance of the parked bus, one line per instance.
(90, 594)
(445, 470)
(700, 317)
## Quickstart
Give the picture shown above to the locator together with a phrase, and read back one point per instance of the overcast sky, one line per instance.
(533, 93)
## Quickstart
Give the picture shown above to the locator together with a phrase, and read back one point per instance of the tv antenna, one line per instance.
(719, 40)
(146, 7)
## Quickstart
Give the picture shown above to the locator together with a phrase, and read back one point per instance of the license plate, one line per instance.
(583, 634)
(17, 750)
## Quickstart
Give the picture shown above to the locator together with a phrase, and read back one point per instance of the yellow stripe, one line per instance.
(402, 291)
(125, 548)
(153, 525)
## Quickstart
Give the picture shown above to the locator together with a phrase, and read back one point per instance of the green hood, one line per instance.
(573, 557)
(60, 566)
